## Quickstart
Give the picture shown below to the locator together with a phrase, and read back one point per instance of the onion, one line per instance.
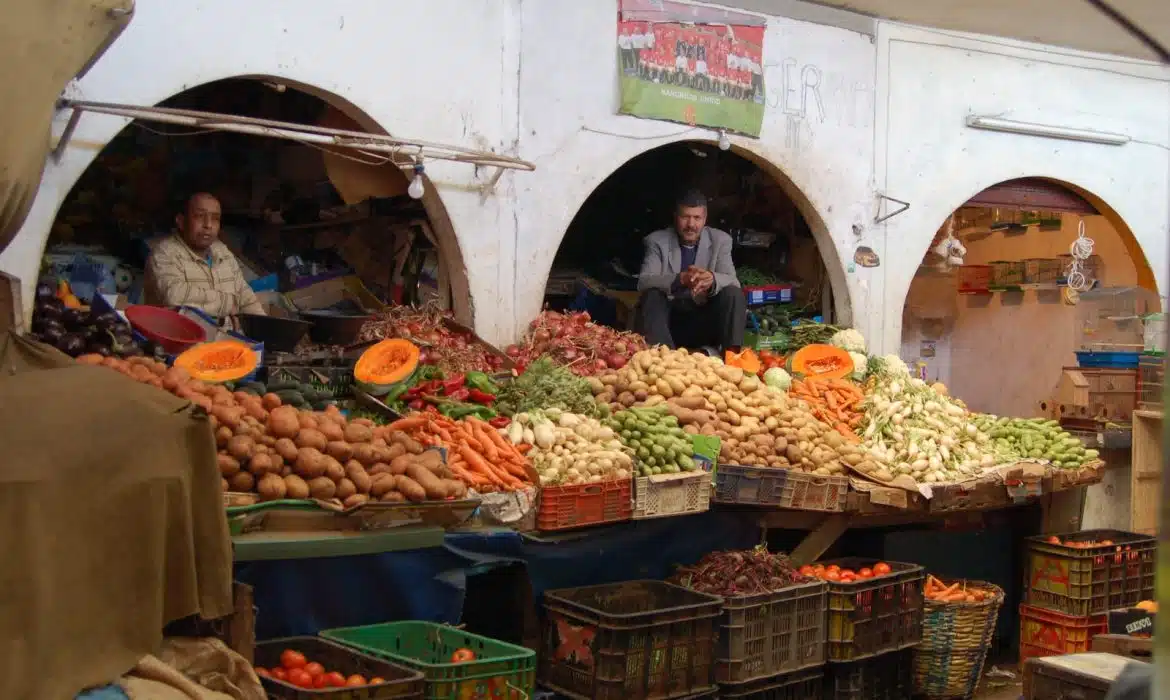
(570, 354)
(616, 361)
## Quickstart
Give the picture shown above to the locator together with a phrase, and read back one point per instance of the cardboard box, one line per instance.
(1132, 621)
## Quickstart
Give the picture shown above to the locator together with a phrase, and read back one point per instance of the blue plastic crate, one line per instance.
(1115, 360)
(771, 294)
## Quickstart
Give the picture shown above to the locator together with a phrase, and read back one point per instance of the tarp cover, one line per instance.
(44, 44)
(112, 521)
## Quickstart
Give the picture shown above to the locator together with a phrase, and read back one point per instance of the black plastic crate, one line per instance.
(628, 641)
(1091, 580)
(770, 633)
(762, 486)
(876, 615)
(402, 683)
(806, 684)
(886, 677)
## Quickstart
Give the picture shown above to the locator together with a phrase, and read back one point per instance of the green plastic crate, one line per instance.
(501, 671)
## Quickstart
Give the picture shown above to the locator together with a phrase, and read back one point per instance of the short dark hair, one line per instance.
(691, 198)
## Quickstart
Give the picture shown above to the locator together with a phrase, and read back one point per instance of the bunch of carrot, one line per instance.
(957, 592)
(836, 402)
(476, 452)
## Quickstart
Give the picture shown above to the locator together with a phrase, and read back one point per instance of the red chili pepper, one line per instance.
(481, 396)
(460, 394)
(416, 405)
(452, 384)
(500, 422)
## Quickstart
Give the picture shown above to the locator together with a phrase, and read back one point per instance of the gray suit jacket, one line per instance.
(663, 260)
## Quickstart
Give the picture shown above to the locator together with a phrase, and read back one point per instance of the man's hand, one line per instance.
(687, 277)
(702, 280)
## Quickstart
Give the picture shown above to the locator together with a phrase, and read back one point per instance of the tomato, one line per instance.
(806, 570)
(832, 576)
(377, 680)
(279, 674)
(832, 567)
(321, 681)
(462, 656)
(1053, 539)
(292, 659)
(881, 568)
(300, 678)
(355, 681)
(865, 572)
(334, 680)
(848, 572)
(262, 672)
(314, 669)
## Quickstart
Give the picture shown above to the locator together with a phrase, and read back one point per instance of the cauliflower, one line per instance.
(892, 364)
(777, 378)
(849, 340)
(860, 362)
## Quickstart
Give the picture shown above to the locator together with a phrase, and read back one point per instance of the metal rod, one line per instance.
(1137, 32)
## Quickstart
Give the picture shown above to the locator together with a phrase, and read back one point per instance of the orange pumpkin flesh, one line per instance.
(746, 359)
(219, 361)
(821, 361)
(385, 364)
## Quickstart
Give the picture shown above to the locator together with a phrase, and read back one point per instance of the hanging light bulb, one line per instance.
(417, 188)
(724, 142)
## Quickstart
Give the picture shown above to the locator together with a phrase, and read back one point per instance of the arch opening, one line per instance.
(779, 240)
(295, 212)
(999, 312)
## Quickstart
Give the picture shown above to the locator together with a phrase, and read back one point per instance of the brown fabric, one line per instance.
(112, 521)
(44, 44)
(199, 668)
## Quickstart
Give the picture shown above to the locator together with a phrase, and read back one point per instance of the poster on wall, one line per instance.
(701, 66)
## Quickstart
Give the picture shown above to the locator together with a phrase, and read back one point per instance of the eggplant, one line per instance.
(108, 320)
(123, 336)
(46, 310)
(42, 325)
(53, 334)
(72, 344)
(45, 291)
(99, 348)
(73, 318)
(129, 351)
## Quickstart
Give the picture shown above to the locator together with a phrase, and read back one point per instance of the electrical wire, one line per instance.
(1080, 249)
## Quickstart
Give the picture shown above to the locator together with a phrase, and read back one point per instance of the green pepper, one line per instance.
(455, 411)
(480, 380)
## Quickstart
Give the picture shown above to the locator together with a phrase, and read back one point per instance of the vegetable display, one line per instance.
(573, 340)
(957, 592)
(833, 572)
(654, 435)
(739, 573)
(1035, 438)
(76, 332)
(385, 364)
(219, 361)
(836, 402)
(476, 453)
(301, 672)
(545, 384)
(569, 448)
(440, 341)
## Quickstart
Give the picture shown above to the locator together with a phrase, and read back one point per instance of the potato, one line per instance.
(411, 489)
(223, 484)
(261, 464)
(228, 465)
(377, 468)
(333, 469)
(339, 450)
(297, 487)
(287, 449)
(412, 446)
(310, 463)
(271, 488)
(345, 489)
(242, 481)
(331, 430)
(382, 483)
(355, 472)
(240, 447)
(455, 488)
(431, 459)
(359, 421)
(794, 453)
(626, 399)
(392, 497)
(283, 422)
(356, 432)
(222, 435)
(306, 421)
(228, 415)
(432, 486)
(322, 488)
(394, 450)
(311, 437)
(366, 454)
(399, 464)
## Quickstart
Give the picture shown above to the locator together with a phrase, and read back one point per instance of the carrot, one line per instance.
(408, 423)
(490, 451)
(477, 464)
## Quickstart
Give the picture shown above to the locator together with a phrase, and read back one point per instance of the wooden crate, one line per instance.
(1146, 472)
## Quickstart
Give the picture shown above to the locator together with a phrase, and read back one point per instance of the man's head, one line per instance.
(690, 216)
(199, 222)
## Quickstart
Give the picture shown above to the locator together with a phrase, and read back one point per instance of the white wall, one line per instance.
(930, 81)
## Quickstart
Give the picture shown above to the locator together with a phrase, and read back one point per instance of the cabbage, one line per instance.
(849, 340)
(777, 378)
(860, 361)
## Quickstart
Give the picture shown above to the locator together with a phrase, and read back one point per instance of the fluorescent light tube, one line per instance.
(1046, 130)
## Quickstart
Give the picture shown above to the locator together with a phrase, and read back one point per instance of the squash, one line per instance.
(218, 361)
(821, 361)
(746, 359)
(385, 365)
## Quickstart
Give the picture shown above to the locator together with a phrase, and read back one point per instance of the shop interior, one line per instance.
(597, 264)
(295, 214)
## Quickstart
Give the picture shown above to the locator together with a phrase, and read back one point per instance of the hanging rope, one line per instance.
(1081, 249)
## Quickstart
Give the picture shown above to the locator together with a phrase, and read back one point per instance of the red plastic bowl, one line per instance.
(170, 329)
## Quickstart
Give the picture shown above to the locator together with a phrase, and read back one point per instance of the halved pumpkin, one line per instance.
(384, 365)
(821, 361)
(219, 361)
(745, 359)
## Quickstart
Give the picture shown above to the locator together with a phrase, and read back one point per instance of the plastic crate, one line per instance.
(1041, 270)
(1049, 633)
(1093, 580)
(664, 495)
(807, 684)
(804, 491)
(761, 486)
(876, 615)
(766, 342)
(628, 641)
(583, 505)
(974, 278)
(886, 677)
(1113, 360)
(768, 294)
(401, 682)
(1007, 273)
(770, 633)
(501, 670)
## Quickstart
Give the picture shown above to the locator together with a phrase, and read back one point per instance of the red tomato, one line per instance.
(462, 656)
(321, 681)
(355, 681)
(377, 680)
(832, 567)
(335, 680)
(262, 672)
(300, 678)
(806, 570)
(280, 674)
(881, 568)
(848, 572)
(292, 659)
(832, 576)
(314, 669)
(865, 572)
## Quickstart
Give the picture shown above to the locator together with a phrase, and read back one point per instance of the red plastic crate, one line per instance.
(1049, 633)
(1090, 580)
(567, 507)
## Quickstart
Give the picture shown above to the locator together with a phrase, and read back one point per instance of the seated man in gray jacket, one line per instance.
(689, 295)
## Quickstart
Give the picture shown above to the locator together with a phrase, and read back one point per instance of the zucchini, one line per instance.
(247, 389)
(291, 396)
(254, 386)
(277, 387)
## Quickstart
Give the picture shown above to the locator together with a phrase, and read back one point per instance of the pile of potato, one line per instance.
(758, 426)
(280, 451)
